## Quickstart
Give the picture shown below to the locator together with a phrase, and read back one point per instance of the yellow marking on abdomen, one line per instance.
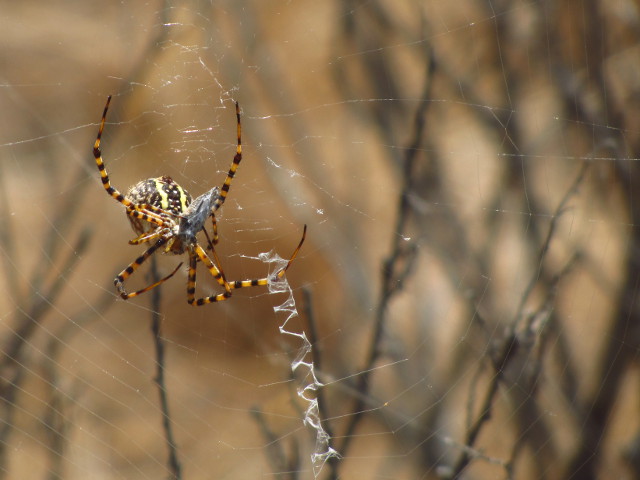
(164, 198)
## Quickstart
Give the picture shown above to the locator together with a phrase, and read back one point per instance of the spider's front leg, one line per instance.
(224, 190)
(150, 216)
(97, 153)
(132, 209)
(150, 235)
(214, 227)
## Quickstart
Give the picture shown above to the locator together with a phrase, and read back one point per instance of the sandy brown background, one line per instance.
(468, 171)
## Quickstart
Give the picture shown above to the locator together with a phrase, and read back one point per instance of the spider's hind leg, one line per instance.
(133, 266)
(281, 273)
(258, 282)
(196, 255)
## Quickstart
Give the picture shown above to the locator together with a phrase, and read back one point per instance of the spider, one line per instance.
(163, 214)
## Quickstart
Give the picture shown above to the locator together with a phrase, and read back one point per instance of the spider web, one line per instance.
(464, 305)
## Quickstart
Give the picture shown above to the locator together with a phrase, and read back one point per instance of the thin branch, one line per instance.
(394, 271)
(289, 468)
(315, 351)
(172, 459)
(317, 362)
(7, 243)
(547, 241)
(507, 349)
(12, 361)
(56, 419)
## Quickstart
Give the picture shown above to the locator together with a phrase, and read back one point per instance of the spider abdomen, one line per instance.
(161, 192)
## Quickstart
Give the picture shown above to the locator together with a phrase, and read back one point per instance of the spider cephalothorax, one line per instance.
(196, 214)
(163, 214)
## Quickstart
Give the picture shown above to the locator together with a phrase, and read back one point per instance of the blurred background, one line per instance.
(468, 174)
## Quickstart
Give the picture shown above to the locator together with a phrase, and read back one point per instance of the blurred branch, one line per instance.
(535, 277)
(632, 456)
(7, 244)
(533, 337)
(55, 418)
(29, 317)
(276, 455)
(316, 354)
(398, 265)
(156, 320)
(588, 96)
(504, 353)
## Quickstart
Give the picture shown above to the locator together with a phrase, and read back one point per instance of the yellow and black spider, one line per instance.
(163, 213)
